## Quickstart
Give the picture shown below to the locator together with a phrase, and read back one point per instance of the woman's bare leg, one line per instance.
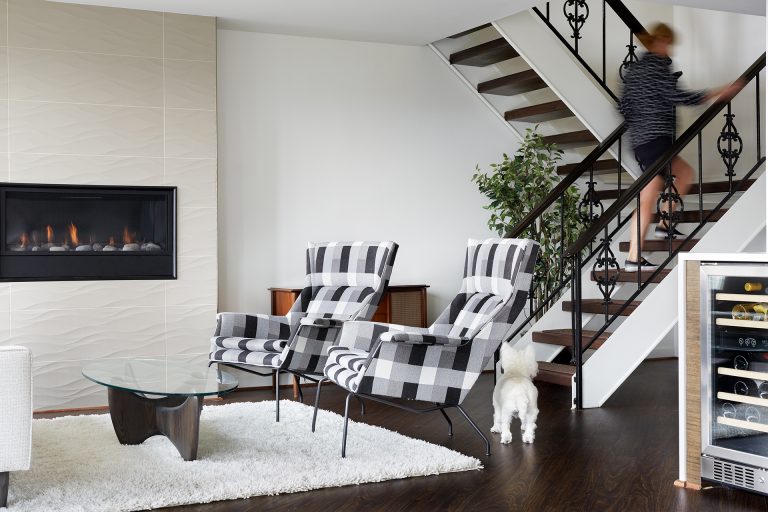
(683, 173)
(648, 197)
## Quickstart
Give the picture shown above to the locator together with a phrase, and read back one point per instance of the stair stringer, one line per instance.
(657, 315)
(545, 54)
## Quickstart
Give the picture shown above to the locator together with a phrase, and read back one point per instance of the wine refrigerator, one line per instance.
(734, 375)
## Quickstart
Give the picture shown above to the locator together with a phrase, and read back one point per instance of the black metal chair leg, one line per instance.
(4, 480)
(301, 393)
(450, 424)
(346, 423)
(277, 395)
(479, 432)
(362, 405)
(317, 402)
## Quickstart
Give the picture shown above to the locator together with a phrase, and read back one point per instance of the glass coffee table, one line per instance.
(149, 397)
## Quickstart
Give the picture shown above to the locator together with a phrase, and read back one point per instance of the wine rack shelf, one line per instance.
(750, 324)
(744, 399)
(742, 373)
(760, 427)
(741, 297)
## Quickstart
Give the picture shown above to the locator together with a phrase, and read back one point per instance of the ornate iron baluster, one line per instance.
(606, 269)
(729, 145)
(672, 198)
(576, 19)
(589, 204)
(630, 59)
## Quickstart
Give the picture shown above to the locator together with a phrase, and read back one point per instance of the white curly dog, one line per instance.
(515, 395)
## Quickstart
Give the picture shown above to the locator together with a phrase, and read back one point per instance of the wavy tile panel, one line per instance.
(189, 329)
(3, 22)
(195, 178)
(3, 68)
(65, 128)
(190, 84)
(5, 296)
(76, 334)
(87, 295)
(197, 232)
(197, 282)
(45, 75)
(62, 26)
(85, 169)
(190, 37)
(190, 133)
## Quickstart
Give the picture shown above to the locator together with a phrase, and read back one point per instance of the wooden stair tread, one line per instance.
(596, 306)
(660, 245)
(555, 373)
(539, 113)
(714, 187)
(484, 54)
(564, 337)
(511, 85)
(629, 276)
(471, 30)
(600, 168)
(693, 215)
(571, 139)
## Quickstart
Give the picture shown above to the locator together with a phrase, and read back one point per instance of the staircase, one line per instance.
(604, 320)
(494, 69)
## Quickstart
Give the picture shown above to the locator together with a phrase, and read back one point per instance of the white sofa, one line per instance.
(15, 414)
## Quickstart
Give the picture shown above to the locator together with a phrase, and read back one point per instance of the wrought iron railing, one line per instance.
(570, 22)
(670, 207)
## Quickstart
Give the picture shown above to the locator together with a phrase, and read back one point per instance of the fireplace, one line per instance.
(63, 232)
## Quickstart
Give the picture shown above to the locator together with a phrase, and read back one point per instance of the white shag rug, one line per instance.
(78, 464)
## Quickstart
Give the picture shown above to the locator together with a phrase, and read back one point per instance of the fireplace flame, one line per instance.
(111, 241)
(73, 234)
(23, 240)
(128, 237)
(49, 233)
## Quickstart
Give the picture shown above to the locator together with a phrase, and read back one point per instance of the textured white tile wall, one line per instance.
(94, 95)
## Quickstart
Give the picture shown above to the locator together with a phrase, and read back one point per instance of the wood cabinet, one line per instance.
(403, 304)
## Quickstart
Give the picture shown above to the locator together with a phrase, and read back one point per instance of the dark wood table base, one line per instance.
(137, 418)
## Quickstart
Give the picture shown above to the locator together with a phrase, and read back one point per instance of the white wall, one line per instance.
(335, 140)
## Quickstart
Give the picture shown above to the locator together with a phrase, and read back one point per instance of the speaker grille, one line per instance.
(406, 308)
(734, 474)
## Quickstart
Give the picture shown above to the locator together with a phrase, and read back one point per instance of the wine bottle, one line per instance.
(750, 311)
(762, 390)
(745, 412)
(752, 286)
(739, 386)
(743, 360)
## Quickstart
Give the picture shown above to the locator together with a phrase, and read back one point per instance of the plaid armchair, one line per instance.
(441, 363)
(344, 281)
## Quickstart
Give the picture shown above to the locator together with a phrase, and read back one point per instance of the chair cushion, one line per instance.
(467, 313)
(256, 358)
(346, 366)
(339, 302)
(250, 344)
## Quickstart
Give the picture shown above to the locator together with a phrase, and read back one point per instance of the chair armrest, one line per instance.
(260, 326)
(322, 322)
(364, 335)
(415, 338)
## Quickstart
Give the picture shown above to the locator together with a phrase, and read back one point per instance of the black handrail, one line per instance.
(567, 181)
(658, 166)
(626, 16)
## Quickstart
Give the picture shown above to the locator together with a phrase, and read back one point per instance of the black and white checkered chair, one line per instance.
(345, 281)
(441, 363)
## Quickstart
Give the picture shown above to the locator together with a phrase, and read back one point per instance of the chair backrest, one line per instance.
(494, 270)
(345, 281)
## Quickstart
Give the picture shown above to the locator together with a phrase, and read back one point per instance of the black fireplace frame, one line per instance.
(89, 266)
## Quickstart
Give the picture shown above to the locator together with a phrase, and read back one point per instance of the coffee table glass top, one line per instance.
(159, 377)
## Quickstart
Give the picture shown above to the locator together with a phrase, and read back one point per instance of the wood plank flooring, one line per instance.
(622, 457)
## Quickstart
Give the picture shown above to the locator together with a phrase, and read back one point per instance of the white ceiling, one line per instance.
(413, 22)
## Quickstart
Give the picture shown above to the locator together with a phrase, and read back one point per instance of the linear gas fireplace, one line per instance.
(63, 232)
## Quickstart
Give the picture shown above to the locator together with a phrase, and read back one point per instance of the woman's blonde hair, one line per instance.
(658, 31)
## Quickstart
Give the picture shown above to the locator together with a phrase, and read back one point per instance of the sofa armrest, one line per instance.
(242, 325)
(16, 400)
(322, 322)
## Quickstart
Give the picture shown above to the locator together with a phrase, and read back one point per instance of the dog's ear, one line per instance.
(532, 366)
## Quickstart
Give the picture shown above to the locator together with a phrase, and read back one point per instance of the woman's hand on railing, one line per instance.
(726, 92)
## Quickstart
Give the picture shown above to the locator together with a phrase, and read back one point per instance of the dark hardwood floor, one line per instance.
(622, 457)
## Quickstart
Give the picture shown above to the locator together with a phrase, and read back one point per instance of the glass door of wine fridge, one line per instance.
(734, 374)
